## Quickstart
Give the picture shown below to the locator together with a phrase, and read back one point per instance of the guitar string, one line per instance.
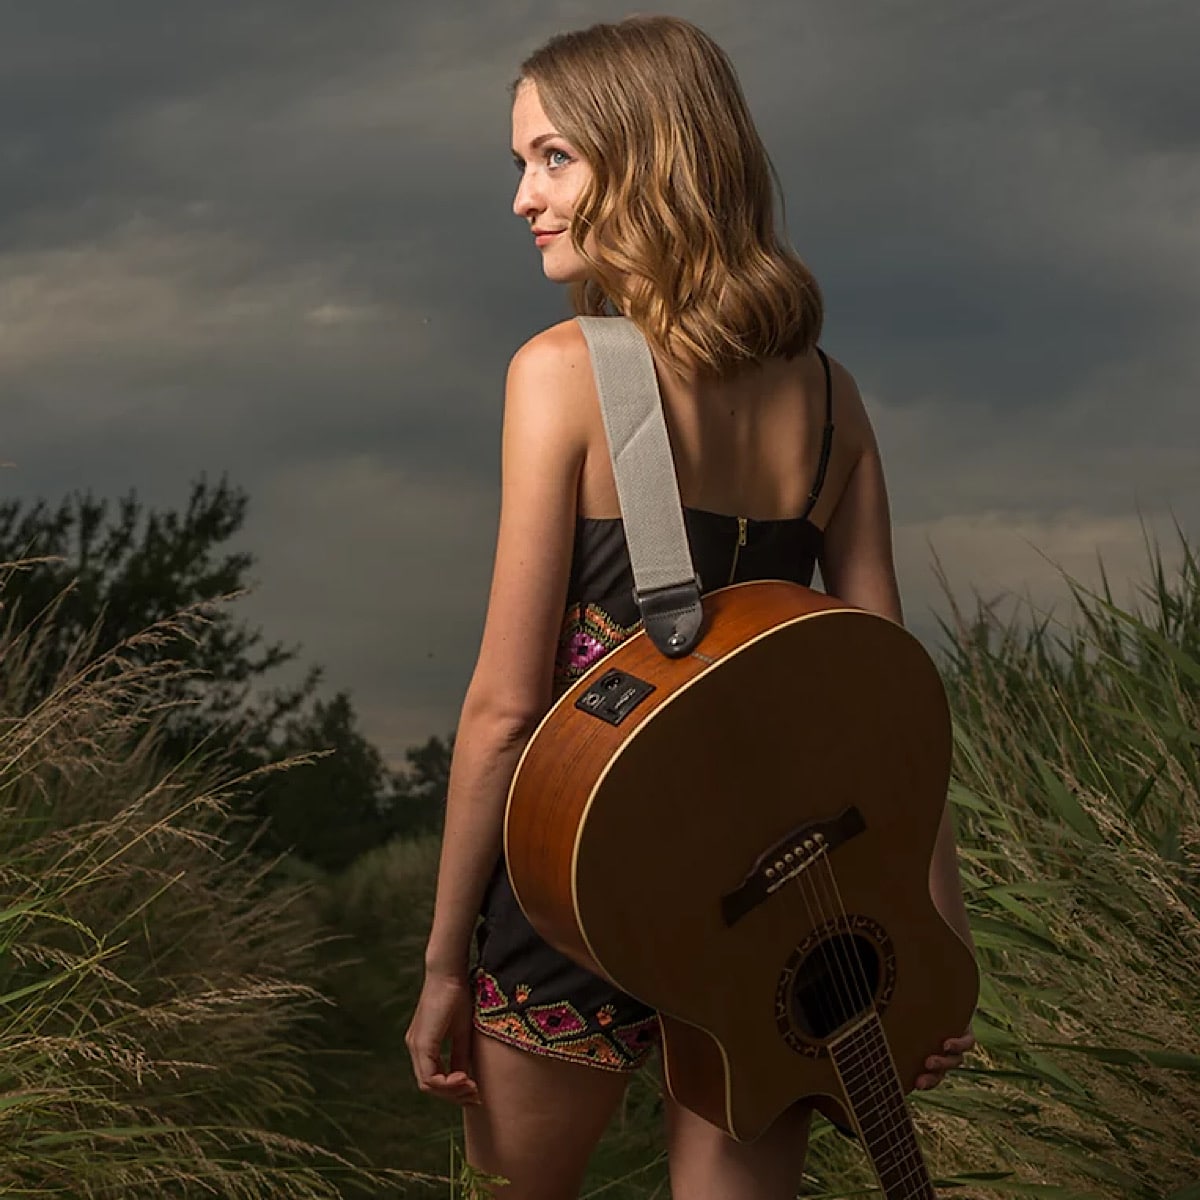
(821, 918)
(833, 967)
(893, 1134)
(831, 957)
(893, 1144)
(901, 1116)
(900, 1154)
(853, 978)
(816, 923)
(911, 1148)
(890, 1140)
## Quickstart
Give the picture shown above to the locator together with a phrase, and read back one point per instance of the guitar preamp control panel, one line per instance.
(614, 696)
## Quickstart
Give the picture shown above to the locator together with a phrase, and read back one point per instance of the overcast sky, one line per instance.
(274, 239)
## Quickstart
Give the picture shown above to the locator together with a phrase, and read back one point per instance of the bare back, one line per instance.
(747, 446)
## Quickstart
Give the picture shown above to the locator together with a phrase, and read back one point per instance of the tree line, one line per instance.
(94, 573)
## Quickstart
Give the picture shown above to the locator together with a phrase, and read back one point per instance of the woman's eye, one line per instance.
(554, 159)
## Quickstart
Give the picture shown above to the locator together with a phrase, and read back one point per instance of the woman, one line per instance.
(647, 189)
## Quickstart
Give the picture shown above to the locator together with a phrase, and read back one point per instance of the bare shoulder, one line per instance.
(545, 409)
(849, 412)
(558, 354)
(849, 409)
(856, 558)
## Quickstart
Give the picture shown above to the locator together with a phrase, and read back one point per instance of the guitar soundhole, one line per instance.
(835, 983)
(840, 970)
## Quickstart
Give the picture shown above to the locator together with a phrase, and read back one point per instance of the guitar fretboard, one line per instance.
(872, 1088)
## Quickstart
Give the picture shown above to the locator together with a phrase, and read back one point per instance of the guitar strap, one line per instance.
(665, 584)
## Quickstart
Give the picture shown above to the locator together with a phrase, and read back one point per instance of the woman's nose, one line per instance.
(527, 202)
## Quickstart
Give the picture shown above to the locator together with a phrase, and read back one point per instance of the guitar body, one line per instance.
(746, 848)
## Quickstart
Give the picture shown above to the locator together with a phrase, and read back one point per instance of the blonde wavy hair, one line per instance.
(680, 205)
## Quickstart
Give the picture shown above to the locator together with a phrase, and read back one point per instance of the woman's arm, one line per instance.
(857, 566)
(543, 448)
(542, 457)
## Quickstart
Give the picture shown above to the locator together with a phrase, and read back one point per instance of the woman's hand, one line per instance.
(443, 1011)
(949, 1055)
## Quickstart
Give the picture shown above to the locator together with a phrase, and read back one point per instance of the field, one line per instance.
(179, 1021)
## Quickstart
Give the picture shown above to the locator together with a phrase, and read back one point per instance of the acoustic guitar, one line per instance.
(741, 838)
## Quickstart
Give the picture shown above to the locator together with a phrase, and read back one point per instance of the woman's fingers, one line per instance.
(943, 1062)
(936, 1065)
(443, 1012)
(457, 1087)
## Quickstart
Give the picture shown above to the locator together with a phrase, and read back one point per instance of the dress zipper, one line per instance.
(738, 548)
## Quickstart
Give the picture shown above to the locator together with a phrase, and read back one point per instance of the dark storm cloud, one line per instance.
(276, 239)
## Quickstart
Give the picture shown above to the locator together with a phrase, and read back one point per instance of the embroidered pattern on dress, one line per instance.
(489, 996)
(587, 634)
(559, 1030)
(638, 1036)
(556, 1021)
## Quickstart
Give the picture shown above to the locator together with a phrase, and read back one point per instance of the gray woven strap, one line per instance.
(666, 587)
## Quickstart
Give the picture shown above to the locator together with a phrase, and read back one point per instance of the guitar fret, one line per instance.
(861, 1034)
(869, 1084)
(917, 1173)
(900, 1156)
(871, 1045)
(881, 1103)
(870, 1128)
(885, 1125)
(878, 1099)
(870, 1061)
(868, 1089)
(896, 1165)
(867, 1072)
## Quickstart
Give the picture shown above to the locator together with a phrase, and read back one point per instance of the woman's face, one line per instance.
(552, 176)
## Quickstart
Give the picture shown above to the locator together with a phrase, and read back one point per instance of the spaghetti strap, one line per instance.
(826, 438)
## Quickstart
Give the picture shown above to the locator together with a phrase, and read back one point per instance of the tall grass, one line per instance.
(155, 994)
(1076, 797)
(1077, 793)
(165, 1017)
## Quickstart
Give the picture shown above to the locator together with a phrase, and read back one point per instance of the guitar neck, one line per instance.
(872, 1091)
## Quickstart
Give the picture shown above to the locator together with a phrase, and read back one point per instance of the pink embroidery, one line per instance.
(560, 1030)
(587, 634)
(557, 1020)
(488, 993)
(594, 1049)
(637, 1037)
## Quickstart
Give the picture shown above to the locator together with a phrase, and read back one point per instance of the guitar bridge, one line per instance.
(792, 854)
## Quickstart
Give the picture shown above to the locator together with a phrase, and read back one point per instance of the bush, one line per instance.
(155, 993)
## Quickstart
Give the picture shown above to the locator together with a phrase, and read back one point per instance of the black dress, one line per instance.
(525, 992)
